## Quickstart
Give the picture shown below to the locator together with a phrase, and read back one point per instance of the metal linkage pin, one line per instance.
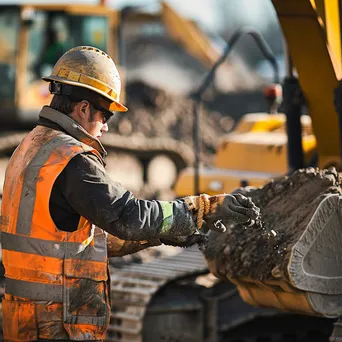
(250, 223)
(219, 226)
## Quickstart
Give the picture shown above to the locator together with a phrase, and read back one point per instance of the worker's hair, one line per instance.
(65, 105)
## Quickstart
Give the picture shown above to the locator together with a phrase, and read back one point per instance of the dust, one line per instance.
(262, 251)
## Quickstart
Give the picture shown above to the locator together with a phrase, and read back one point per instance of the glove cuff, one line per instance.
(199, 206)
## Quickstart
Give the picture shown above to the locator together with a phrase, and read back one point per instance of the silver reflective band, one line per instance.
(34, 291)
(28, 194)
(54, 249)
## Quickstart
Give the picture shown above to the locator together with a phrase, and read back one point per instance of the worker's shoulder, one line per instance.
(86, 161)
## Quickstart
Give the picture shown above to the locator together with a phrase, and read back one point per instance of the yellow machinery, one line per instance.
(257, 150)
(33, 37)
(254, 153)
(178, 298)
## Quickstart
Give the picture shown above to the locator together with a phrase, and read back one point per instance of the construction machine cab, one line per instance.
(35, 37)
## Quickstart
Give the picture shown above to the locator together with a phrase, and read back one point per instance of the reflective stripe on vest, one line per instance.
(30, 180)
(53, 249)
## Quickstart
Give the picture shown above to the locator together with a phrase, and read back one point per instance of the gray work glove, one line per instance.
(187, 241)
(184, 241)
(231, 209)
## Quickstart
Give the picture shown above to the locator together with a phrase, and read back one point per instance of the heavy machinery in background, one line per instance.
(264, 146)
(178, 296)
(33, 37)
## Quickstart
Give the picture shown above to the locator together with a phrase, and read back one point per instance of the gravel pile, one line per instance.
(155, 113)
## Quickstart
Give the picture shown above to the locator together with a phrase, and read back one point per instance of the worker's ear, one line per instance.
(83, 109)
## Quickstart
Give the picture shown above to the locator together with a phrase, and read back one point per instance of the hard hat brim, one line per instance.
(115, 105)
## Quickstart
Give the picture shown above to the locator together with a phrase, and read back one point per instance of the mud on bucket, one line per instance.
(293, 263)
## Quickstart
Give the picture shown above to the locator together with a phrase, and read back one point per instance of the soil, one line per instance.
(154, 113)
(287, 205)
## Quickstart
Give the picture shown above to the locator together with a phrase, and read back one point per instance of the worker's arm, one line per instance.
(93, 194)
(117, 247)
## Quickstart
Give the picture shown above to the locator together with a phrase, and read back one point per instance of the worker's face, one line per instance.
(91, 119)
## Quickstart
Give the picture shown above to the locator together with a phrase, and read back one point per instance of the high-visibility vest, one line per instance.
(43, 263)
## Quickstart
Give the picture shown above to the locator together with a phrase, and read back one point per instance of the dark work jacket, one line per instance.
(85, 189)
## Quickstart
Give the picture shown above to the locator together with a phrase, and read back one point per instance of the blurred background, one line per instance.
(165, 51)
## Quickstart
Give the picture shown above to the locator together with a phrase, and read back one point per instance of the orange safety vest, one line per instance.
(42, 263)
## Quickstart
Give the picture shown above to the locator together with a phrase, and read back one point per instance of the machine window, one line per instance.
(9, 27)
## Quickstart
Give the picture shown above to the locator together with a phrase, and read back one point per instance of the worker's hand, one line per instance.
(231, 209)
(184, 241)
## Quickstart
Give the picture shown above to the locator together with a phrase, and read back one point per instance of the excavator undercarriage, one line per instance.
(176, 299)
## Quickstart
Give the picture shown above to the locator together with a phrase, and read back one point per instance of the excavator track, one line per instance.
(133, 286)
(145, 147)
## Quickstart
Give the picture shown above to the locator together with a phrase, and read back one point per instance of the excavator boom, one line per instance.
(318, 70)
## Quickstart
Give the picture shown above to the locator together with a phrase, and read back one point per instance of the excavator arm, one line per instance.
(190, 36)
(317, 67)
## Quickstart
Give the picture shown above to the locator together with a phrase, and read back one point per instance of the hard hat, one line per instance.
(90, 68)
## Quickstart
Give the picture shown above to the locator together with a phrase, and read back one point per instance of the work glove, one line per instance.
(184, 241)
(232, 209)
(187, 241)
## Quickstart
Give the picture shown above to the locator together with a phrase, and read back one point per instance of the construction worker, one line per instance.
(56, 196)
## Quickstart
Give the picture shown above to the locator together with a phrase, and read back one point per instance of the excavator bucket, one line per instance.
(292, 260)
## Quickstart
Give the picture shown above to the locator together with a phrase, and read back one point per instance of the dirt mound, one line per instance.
(156, 113)
(287, 205)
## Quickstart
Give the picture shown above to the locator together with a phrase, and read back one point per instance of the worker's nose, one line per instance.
(105, 128)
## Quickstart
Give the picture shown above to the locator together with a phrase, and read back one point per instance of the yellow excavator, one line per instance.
(267, 146)
(177, 299)
(264, 146)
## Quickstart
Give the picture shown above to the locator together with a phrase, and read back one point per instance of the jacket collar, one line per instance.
(72, 128)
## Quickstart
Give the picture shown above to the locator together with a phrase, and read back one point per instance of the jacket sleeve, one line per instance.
(117, 247)
(93, 194)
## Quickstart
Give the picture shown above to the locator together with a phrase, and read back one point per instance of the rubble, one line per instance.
(155, 113)
(262, 251)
